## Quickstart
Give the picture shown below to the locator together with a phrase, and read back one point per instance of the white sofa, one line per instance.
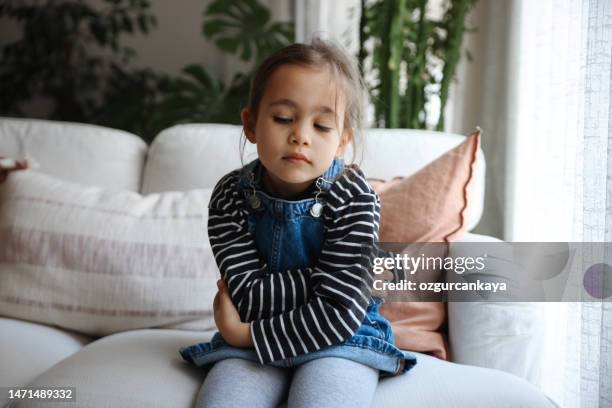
(494, 346)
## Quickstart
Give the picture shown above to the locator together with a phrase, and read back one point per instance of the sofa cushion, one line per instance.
(28, 349)
(438, 383)
(142, 368)
(98, 261)
(88, 154)
(139, 368)
(190, 156)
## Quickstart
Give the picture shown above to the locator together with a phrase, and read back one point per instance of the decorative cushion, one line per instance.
(99, 261)
(388, 153)
(418, 326)
(429, 206)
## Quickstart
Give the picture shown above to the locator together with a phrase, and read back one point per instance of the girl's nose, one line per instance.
(300, 135)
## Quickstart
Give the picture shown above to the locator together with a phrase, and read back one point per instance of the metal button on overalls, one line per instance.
(316, 209)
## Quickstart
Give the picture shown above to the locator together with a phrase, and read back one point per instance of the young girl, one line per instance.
(295, 311)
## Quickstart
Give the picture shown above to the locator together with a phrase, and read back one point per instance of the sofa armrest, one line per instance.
(503, 335)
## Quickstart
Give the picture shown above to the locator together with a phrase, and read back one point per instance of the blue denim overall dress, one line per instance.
(294, 239)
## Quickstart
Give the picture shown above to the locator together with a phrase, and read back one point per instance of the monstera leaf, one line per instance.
(192, 97)
(244, 28)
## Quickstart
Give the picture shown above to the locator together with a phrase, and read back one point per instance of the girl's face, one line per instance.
(298, 129)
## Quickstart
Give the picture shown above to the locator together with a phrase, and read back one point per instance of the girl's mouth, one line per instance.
(296, 159)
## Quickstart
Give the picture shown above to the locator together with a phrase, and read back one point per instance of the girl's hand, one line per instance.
(232, 329)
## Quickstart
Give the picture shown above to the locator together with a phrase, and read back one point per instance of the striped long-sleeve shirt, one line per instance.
(299, 311)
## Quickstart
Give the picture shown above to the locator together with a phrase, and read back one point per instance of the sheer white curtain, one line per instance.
(559, 180)
(336, 20)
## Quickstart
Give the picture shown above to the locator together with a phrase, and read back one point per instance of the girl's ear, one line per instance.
(248, 124)
(345, 141)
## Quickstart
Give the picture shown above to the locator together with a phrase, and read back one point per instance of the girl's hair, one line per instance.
(318, 54)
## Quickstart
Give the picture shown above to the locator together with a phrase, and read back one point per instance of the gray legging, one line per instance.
(324, 382)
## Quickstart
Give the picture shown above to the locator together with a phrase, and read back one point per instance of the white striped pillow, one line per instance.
(100, 261)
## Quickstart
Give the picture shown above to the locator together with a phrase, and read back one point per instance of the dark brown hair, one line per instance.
(318, 54)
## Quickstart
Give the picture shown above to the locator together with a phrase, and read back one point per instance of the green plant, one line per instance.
(412, 57)
(58, 57)
(70, 54)
(242, 28)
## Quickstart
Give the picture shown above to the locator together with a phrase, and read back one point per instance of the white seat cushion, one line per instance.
(143, 369)
(138, 368)
(28, 349)
(437, 383)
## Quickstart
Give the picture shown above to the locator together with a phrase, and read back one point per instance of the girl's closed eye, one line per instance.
(323, 128)
(283, 120)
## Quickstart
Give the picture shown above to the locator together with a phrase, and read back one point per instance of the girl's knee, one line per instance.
(237, 382)
(334, 382)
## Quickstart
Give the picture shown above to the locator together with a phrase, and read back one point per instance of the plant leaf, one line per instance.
(243, 28)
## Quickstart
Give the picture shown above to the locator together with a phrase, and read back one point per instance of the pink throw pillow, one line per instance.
(429, 206)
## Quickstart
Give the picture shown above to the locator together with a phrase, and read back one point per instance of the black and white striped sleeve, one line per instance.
(256, 293)
(341, 279)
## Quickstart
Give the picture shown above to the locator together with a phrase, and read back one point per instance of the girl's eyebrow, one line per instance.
(293, 105)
